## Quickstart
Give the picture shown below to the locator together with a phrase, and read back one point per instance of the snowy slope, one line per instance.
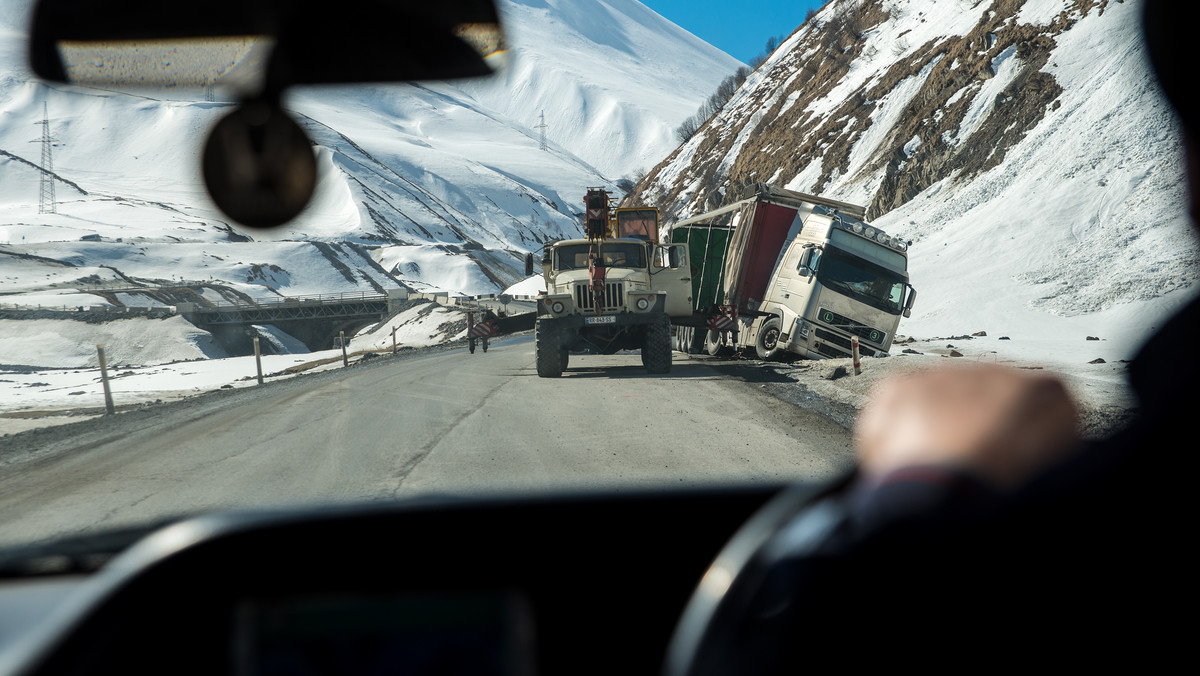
(1020, 145)
(454, 167)
(607, 75)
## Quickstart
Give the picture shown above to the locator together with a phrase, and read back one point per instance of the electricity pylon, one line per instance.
(541, 127)
(47, 204)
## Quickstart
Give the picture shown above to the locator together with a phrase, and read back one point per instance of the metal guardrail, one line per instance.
(270, 303)
(282, 301)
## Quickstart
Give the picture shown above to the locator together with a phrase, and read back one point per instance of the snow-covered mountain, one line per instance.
(611, 76)
(1021, 145)
(443, 185)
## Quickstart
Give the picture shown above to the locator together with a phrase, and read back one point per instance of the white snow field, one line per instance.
(416, 165)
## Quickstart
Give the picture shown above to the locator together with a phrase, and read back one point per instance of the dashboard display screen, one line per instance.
(454, 633)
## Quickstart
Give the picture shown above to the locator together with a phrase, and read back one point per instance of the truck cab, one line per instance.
(838, 278)
(608, 293)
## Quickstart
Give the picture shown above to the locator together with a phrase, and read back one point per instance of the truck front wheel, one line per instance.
(767, 344)
(656, 350)
(547, 348)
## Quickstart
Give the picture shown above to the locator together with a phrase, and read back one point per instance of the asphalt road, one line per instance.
(448, 422)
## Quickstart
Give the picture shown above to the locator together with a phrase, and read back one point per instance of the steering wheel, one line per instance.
(736, 620)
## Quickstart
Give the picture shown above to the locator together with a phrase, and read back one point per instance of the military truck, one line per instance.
(782, 271)
(615, 289)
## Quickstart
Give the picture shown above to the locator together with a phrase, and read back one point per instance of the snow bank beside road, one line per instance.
(528, 287)
(829, 386)
(420, 326)
(59, 343)
(53, 365)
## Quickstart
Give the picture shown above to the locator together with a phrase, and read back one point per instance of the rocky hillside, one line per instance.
(1020, 143)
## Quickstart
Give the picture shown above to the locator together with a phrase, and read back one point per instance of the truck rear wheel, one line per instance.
(695, 340)
(767, 343)
(656, 350)
(547, 349)
(713, 344)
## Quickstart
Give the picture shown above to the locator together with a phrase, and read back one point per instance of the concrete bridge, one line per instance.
(368, 306)
(314, 320)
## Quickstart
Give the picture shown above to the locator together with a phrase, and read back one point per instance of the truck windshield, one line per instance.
(863, 281)
(615, 255)
(640, 223)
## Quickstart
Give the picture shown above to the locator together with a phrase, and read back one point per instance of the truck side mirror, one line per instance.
(808, 262)
(673, 256)
(908, 302)
(528, 265)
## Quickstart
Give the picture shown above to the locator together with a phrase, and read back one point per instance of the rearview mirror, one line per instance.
(258, 163)
(262, 45)
(528, 265)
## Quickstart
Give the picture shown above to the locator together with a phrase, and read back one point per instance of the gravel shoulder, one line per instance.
(1101, 391)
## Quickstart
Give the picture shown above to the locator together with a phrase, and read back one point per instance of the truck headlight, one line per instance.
(557, 307)
(642, 304)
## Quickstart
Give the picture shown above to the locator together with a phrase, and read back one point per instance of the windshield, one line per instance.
(159, 357)
(861, 280)
(614, 255)
(640, 223)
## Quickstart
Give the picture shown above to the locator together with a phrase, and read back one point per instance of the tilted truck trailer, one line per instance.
(783, 271)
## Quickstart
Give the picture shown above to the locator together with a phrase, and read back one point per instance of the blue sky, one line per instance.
(736, 27)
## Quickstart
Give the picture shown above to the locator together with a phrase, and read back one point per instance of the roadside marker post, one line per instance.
(854, 353)
(109, 409)
(258, 360)
(342, 340)
(393, 340)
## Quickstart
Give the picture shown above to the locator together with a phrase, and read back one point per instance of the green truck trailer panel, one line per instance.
(707, 247)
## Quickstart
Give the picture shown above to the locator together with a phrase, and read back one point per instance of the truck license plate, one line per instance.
(603, 319)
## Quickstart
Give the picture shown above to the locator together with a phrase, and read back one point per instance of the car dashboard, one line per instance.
(537, 585)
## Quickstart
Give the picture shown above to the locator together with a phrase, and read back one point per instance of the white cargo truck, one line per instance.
(784, 271)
